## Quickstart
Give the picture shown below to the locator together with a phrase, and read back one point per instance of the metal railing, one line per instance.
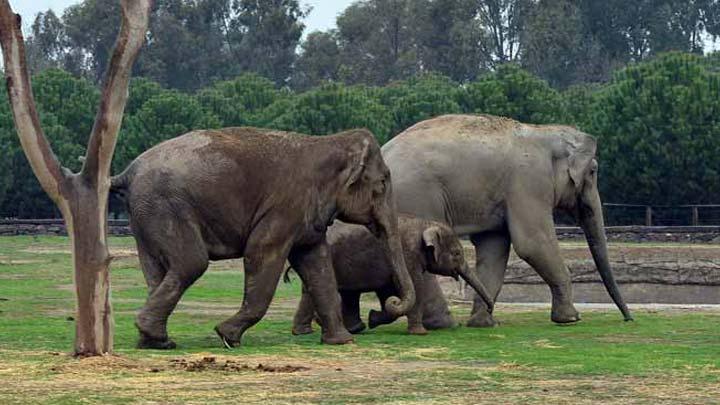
(661, 215)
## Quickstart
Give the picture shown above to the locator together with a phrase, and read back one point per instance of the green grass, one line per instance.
(661, 356)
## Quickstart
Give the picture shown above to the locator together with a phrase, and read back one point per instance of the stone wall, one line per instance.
(679, 234)
(671, 273)
(52, 227)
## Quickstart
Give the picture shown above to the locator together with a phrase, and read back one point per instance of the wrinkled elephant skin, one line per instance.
(362, 266)
(499, 182)
(266, 196)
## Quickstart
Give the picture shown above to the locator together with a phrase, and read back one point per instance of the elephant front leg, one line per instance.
(415, 317)
(436, 313)
(302, 322)
(314, 265)
(492, 251)
(534, 240)
(264, 264)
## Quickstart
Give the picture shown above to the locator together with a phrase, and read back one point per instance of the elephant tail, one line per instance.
(120, 184)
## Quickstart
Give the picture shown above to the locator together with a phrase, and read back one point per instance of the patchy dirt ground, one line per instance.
(203, 378)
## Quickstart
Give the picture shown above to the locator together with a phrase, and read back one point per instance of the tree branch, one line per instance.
(135, 16)
(43, 161)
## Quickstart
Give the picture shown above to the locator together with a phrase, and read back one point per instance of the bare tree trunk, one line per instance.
(87, 225)
(81, 197)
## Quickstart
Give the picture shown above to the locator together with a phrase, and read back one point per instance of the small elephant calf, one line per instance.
(361, 266)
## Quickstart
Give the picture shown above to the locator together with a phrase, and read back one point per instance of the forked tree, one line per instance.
(81, 197)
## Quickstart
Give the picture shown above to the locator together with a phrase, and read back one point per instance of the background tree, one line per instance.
(268, 32)
(502, 22)
(449, 37)
(90, 28)
(319, 61)
(188, 45)
(420, 98)
(333, 108)
(241, 101)
(377, 41)
(82, 197)
(513, 92)
(659, 126)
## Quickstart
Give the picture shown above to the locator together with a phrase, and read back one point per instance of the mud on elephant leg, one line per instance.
(315, 267)
(491, 257)
(302, 322)
(351, 311)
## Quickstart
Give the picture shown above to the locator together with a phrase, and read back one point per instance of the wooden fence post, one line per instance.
(695, 216)
(648, 216)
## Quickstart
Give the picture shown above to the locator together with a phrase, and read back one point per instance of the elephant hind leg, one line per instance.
(302, 322)
(492, 250)
(168, 276)
(534, 240)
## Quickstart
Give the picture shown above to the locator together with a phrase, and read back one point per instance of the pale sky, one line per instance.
(321, 18)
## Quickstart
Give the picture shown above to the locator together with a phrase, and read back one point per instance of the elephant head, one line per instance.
(366, 198)
(445, 257)
(576, 184)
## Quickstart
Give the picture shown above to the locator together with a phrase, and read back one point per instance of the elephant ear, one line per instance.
(359, 163)
(431, 238)
(581, 150)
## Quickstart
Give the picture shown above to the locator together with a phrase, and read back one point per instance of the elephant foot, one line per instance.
(357, 328)
(229, 336)
(302, 330)
(338, 338)
(377, 318)
(443, 321)
(565, 314)
(148, 342)
(482, 319)
(417, 330)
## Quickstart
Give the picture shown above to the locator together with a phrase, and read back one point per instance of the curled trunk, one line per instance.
(394, 305)
(386, 218)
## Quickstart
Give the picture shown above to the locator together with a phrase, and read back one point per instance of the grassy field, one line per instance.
(663, 357)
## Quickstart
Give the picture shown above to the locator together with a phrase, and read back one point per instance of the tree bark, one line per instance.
(83, 197)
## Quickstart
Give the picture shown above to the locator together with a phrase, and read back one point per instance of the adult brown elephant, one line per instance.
(267, 196)
(499, 181)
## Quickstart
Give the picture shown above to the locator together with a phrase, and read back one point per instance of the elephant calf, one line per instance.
(361, 266)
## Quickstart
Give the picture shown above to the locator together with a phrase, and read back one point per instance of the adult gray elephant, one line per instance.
(267, 196)
(499, 181)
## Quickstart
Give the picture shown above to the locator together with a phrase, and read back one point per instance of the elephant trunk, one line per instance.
(474, 281)
(593, 225)
(389, 234)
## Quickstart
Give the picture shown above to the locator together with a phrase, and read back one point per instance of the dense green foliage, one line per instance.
(658, 122)
(659, 130)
